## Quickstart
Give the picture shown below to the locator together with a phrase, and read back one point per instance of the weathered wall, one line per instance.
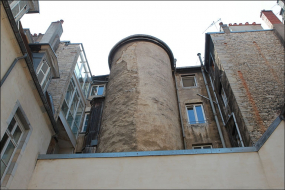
(19, 86)
(248, 170)
(140, 111)
(197, 133)
(253, 67)
(67, 57)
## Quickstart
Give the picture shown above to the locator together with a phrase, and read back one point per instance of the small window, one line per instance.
(85, 123)
(195, 114)
(188, 80)
(97, 90)
(43, 74)
(202, 146)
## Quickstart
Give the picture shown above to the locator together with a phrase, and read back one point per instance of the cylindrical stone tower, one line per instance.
(141, 111)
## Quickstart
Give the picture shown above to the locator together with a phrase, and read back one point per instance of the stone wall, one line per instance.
(251, 67)
(67, 57)
(140, 112)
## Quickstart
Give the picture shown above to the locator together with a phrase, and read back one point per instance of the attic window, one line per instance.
(188, 80)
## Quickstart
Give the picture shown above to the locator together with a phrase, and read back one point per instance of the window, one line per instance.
(188, 80)
(85, 123)
(202, 146)
(82, 74)
(195, 114)
(72, 107)
(43, 74)
(10, 142)
(97, 90)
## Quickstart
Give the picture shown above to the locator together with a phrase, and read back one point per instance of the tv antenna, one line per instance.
(212, 25)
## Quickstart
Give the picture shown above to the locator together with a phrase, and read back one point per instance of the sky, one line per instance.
(99, 25)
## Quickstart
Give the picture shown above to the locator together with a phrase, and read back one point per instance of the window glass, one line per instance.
(86, 122)
(191, 115)
(100, 90)
(3, 141)
(40, 76)
(94, 90)
(3, 167)
(207, 147)
(74, 129)
(200, 115)
(46, 80)
(17, 134)
(8, 152)
(64, 108)
(69, 93)
(11, 125)
(74, 103)
(188, 81)
(77, 71)
(85, 89)
(79, 114)
(197, 147)
(45, 67)
(69, 119)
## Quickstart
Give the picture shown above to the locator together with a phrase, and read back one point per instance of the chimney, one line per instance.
(269, 18)
(224, 27)
(52, 35)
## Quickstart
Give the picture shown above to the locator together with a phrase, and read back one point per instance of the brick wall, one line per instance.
(67, 58)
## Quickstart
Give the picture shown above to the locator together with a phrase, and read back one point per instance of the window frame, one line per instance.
(224, 97)
(195, 113)
(47, 74)
(26, 128)
(97, 86)
(83, 125)
(189, 75)
(202, 146)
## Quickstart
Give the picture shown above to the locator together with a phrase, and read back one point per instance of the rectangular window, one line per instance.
(97, 90)
(10, 143)
(188, 80)
(209, 146)
(43, 74)
(82, 74)
(85, 123)
(72, 107)
(195, 114)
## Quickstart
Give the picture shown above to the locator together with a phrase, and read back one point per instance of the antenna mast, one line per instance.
(212, 25)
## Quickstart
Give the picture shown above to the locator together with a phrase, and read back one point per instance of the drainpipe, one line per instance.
(178, 101)
(11, 67)
(237, 129)
(211, 101)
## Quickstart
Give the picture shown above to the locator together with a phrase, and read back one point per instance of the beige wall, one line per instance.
(257, 170)
(20, 87)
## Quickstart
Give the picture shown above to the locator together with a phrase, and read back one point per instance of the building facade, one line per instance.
(148, 124)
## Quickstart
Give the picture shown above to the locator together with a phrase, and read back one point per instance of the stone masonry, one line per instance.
(252, 73)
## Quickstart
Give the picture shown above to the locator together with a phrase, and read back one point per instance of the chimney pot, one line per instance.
(35, 34)
(221, 23)
(61, 21)
(230, 24)
(246, 23)
(254, 23)
(235, 24)
(240, 23)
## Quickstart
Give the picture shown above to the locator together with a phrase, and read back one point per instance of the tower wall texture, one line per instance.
(141, 111)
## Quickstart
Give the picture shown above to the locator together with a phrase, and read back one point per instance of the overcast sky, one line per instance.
(99, 25)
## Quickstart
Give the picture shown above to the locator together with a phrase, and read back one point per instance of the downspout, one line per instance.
(178, 101)
(215, 92)
(211, 102)
(237, 129)
(11, 67)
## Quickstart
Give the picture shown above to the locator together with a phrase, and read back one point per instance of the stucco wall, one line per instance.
(140, 111)
(19, 87)
(255, 170)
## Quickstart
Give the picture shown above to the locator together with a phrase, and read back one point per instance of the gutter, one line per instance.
(29, 63)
